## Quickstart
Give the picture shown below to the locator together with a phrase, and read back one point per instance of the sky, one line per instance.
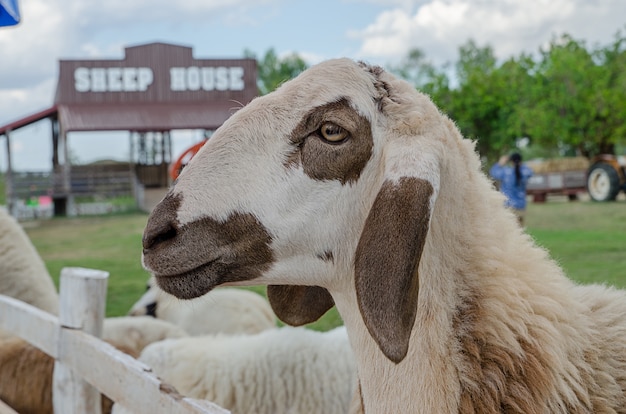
(377, 31)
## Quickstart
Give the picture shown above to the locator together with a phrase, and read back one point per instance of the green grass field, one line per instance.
(588, 239)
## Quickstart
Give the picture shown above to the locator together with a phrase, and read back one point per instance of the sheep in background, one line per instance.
(133, 334)
(26, 378)
(23, 274)
(277, 371)
(26, 371)
(225, 310)
(348, 186)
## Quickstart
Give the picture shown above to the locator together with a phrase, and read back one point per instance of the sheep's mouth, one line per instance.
(202, 279)
(192, 283)
(189, 278)
(190, 259)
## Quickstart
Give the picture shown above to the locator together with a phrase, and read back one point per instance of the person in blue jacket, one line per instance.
(513, 176)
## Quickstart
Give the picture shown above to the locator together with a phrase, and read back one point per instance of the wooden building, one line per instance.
(155, 89)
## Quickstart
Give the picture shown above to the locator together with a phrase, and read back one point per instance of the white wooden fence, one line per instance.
(85, 365)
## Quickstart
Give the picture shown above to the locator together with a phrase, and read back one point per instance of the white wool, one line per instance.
(23, 274)
(224, 310)
(277, 371)
(133, 334)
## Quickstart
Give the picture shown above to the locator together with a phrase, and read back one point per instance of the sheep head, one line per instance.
(327, 182)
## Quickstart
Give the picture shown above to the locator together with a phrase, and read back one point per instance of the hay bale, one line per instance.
(559, 165)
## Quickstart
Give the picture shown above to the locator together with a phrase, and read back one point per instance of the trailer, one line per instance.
(562, 176)
(569, 183)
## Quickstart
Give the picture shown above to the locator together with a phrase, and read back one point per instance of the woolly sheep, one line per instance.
(277, 371)
(26, 378)
(135, 333)
(348, 186)
(23, 274)
(26, 371)
(225, 310)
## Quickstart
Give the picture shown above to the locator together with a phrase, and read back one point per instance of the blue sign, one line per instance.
(9, 13)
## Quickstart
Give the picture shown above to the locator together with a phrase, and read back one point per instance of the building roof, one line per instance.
(145, 117)
(132, 117)
(30, 119)
(156, 87)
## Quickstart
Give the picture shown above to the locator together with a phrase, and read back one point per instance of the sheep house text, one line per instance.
(138, 79)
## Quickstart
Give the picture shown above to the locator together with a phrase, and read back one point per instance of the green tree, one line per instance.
(477, 102)
(581, 97)
(272, 70)
(487, 99)
(569, 100)
(419, 71)
(610, 102)
(514, 89)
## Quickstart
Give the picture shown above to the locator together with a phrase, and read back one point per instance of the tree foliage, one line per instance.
(273, 70)
(569, 99)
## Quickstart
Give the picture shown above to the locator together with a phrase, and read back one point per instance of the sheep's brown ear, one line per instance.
(387, 259)
(299, 305)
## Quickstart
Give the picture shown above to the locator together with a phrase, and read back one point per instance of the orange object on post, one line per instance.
(184, 158)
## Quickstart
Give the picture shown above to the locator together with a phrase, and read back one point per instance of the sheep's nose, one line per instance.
(161, 226)
(154, 236)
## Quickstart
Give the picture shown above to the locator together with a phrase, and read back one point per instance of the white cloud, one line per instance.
(388, 36)
(17, 102)
(27, 49)
(438, 27)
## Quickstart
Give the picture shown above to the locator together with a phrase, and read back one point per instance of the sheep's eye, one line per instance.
(333, 132)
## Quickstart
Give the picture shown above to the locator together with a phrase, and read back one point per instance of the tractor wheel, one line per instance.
(602, 182)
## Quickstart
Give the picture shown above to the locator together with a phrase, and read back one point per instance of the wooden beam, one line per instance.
(128, 380)
(38, 327)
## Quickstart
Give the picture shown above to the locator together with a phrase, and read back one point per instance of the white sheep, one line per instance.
(133, 334)
(23, 274)
(224, 310)
(352, 188)
(26, 371)
(278, 371)
(26, 375)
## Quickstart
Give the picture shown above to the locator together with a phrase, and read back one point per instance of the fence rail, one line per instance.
(82, 182)
(85, 365)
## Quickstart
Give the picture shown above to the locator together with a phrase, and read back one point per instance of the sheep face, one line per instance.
(327, 182)
(147, 303)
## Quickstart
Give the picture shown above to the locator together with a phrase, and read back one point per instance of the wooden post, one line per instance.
(55, 142)
(10, 196)
(67, 174)
(82, 306)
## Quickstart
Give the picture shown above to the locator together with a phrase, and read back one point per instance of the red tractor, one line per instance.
(606, 177)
